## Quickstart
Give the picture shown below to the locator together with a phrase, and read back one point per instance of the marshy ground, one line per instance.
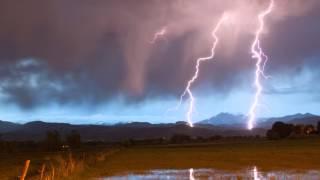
(289, 154)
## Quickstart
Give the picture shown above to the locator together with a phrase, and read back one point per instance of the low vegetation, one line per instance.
(282, 130)
(68, 158)
(290, 154)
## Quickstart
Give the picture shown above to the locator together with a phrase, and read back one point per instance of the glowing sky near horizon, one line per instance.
(284, 99)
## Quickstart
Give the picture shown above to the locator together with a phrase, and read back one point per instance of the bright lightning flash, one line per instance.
(191, 174)
(255, 174)
(261, 59)
(159, 34)
(196, 74)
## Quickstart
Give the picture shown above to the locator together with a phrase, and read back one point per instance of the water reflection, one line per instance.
(199, 174)
(255, 173)
(191, 176)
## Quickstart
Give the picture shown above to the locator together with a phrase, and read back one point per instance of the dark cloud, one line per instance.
(80, 51)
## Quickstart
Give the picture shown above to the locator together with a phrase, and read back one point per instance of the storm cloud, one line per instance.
(94, 51)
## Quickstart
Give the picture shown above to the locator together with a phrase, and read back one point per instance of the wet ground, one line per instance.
(193, 174)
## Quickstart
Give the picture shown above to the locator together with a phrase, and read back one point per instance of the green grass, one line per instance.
(295, 154)
(300, 154)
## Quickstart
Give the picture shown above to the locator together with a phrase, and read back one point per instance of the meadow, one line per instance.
(289, 154)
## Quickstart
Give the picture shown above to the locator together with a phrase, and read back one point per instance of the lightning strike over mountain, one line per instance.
(197, 69)
(261, 59)
(159, 34)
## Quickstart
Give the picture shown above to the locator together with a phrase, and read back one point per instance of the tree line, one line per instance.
(282, 130)
(53, 141)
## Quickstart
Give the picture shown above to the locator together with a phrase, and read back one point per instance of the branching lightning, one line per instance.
(261, 59)
(187, 90)
(159, 34)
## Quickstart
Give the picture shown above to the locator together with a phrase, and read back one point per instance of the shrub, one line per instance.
(52, 141)
(283, 129)
(74, 139)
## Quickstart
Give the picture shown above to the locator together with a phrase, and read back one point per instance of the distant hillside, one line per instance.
(306, 120)
(299, 118)
(225, 119)
(239, 121)
(6, 126)
(223, 124)
(37, 131)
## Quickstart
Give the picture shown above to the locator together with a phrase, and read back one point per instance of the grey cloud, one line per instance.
(93, 51)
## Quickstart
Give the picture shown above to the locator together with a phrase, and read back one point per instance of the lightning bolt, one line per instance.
(159, 34)
(261, 60)
(187, 90)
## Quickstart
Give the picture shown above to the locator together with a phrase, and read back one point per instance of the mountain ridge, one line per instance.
(228, 119)
(36, 130)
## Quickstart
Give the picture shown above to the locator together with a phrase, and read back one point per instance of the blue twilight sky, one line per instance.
(96, 61)
(290, 98)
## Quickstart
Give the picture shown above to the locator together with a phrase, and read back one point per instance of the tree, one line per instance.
(53, 141)
(282, 129)
(309, 129)
(299, 129)
(74, 139)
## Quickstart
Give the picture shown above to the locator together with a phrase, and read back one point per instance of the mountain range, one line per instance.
(223, 124)
(239, 120)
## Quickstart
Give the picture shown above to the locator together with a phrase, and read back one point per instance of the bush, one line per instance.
(74, 139)
(52, 141)
(309, 129)
(280, 130)
(284, 130)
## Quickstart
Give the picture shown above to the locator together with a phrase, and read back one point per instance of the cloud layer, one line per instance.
(93, 51)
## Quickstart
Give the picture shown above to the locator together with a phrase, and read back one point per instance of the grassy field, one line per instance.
(300, 154)
(297, 154)
(60, 165)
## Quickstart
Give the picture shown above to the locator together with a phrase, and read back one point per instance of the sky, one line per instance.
(82, 61)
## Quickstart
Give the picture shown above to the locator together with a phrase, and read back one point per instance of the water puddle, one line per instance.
(198, 174)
